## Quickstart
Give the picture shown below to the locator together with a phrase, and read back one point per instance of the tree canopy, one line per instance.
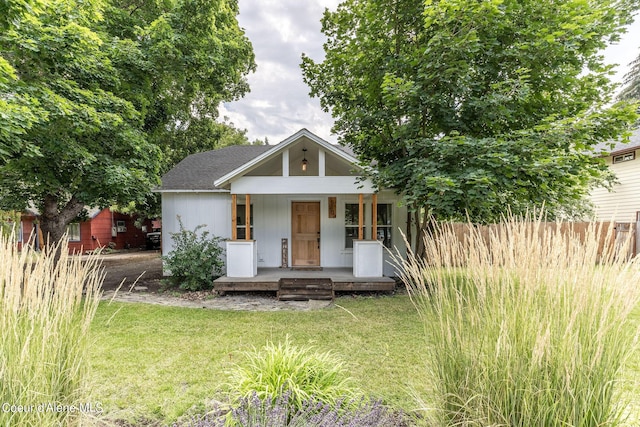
(631, 89)
(177, 61)
(471, 107)
(93, 94)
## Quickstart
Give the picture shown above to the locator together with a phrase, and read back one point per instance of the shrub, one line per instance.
(196, 259)
(298, 371)
(530, 325)
(253, 411)
(46, 308)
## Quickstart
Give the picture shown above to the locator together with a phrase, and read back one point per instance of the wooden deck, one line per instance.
(268, 279)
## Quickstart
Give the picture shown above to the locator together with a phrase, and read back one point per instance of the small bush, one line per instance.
(253, 411)
(299, 371)
(530, 325)
(195, 261)
(46, 308)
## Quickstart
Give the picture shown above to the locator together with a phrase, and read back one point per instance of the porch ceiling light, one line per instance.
(304, 160)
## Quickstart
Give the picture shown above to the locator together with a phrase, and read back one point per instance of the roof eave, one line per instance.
(189, 190)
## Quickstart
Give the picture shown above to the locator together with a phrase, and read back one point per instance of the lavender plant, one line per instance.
(253, 411)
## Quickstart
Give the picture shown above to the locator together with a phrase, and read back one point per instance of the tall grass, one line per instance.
(45, 311)
(529, 324)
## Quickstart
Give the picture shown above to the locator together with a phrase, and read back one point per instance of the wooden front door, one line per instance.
(305, 234)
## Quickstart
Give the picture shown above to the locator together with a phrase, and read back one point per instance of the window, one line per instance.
(241, 224)
(73, 232)
(351, 224)
(20, 232)
(624, 157)
(384, 224)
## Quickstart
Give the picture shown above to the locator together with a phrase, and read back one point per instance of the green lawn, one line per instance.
(156, 362)
(152, 362)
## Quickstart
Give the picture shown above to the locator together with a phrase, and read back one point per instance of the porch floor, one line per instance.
(268, 279)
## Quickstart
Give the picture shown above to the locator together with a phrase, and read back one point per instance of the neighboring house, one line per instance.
(102, 228)
(622, 203)
(300, 204)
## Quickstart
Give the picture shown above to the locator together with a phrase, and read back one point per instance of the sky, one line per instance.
(279, 103)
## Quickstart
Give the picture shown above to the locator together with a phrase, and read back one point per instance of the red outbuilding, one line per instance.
(102, 228)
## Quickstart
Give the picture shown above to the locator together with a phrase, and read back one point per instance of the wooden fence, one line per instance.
(611, 236)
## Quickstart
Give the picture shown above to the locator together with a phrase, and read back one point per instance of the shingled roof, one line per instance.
(199, 171)
(619, 147)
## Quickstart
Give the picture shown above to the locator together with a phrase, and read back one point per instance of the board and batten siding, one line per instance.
(272, 223)
(623, 201)
(213, 210)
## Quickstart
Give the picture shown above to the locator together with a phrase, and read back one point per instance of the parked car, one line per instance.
(154, 239)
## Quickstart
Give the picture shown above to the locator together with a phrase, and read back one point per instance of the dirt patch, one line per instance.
(144, 268)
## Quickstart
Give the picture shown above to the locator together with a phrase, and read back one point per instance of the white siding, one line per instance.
(272, 223)
(622, 203)
(300, 185)
(211, 209)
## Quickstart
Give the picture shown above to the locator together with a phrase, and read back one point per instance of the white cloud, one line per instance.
(279, 103)
(625, 51)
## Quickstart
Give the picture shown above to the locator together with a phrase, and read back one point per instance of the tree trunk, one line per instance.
(409, 230)
(422, 222)
(54, 221)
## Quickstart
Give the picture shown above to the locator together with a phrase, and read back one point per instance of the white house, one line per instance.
(622, 203)
(301, 204)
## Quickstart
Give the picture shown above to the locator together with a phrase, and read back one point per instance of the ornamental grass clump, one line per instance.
(301, 372)
(529, 322)
(46, 307)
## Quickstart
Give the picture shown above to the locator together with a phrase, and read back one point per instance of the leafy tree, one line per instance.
(178, 60)
(201, 135)
(90, 149)
(19, 111)
(94, 94)
(9, 223)
(631, 88)
(469, 107)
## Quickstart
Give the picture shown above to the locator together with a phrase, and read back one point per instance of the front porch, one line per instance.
(269, 279)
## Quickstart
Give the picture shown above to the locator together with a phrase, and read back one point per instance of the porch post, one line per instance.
(374, 219)
(242, 255)
(360, 216)
(234, 217)
(368, 257)
(247, 217)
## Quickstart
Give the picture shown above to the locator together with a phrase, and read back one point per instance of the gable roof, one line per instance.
(199, 171)
(225, 179)
(212, 170)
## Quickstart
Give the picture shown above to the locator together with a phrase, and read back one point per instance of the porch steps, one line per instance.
(303, 289)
